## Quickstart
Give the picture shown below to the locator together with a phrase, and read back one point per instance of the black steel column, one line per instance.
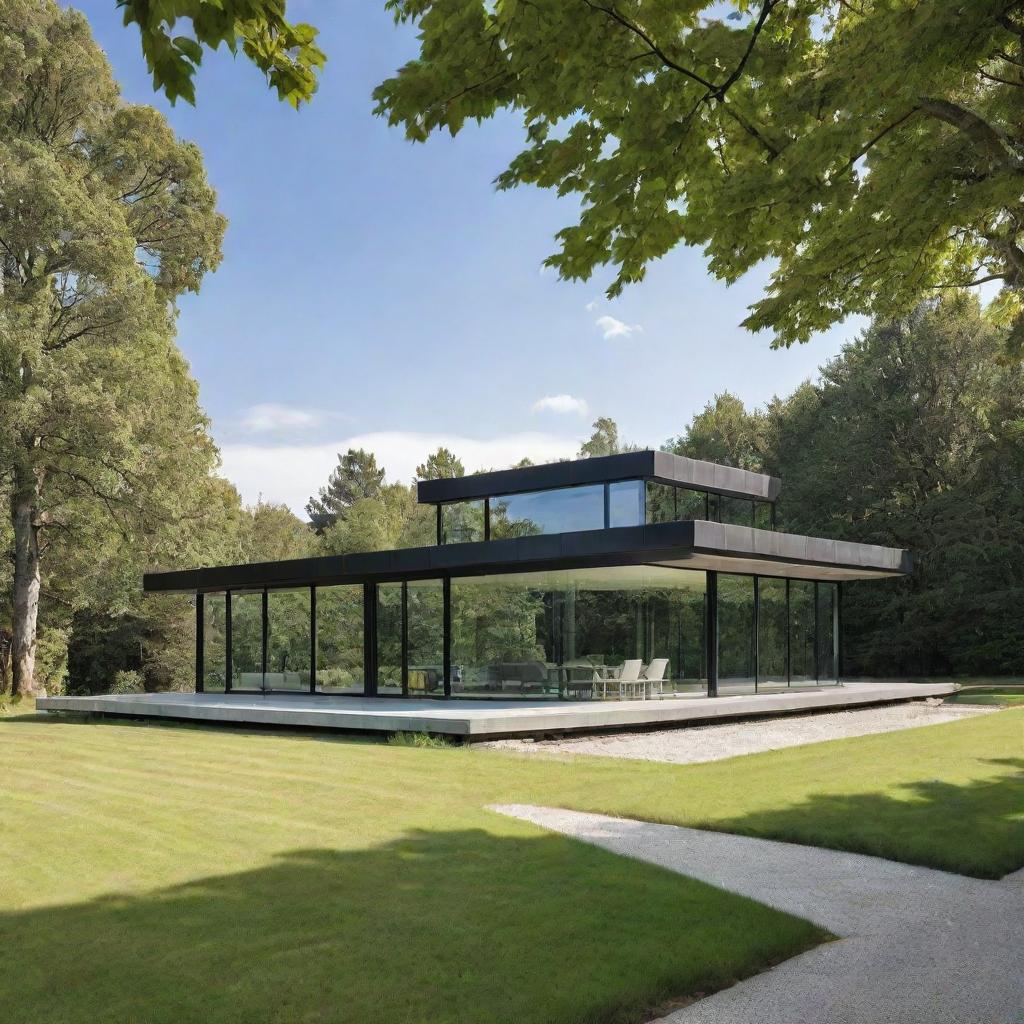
(789, 630)
(440, 534)
(200, 642)
(757, 632)
(370, 639)
(227, 641)
(607, 505)
(266, 632)
(405, 639)
(312, 639)
(711, 640)
(837, 632)
(487, 518)
(446, 602)
(817, 667)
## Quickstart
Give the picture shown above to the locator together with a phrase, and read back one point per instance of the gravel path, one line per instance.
(917, 946)
(720, 740)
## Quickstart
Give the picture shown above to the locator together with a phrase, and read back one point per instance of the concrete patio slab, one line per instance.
(472, 720)
(916, 946)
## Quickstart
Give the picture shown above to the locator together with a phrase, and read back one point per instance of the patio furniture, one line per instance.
(654, 676)
(626, 681)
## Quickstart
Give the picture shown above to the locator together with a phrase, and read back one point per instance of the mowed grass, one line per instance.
(1003, 696)
(160, 873)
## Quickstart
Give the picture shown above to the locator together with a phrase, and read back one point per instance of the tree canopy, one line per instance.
(286, 53)
(105, 219)
(356, 476)
(871, 150)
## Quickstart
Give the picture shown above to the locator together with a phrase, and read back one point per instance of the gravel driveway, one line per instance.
(720, 740)
(916, 946)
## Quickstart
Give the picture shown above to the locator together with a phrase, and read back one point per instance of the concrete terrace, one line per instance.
(479, 720)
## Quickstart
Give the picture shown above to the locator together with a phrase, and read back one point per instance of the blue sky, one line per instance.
(383, 294)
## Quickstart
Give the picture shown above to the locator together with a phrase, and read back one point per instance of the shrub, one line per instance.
(128, 681)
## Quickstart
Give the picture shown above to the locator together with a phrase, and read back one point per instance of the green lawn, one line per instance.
(1003, 696)
(159, 874)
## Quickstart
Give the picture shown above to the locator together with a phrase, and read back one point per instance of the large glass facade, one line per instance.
(578, 633)
(564, 510)
(737, 511)
(772, 637)
(626, 503)
(801, 633)
(462, 522)
(215, 653)
(425, 631)
(339, 639)
(289, 640)
(389, 639)
(825, 633)
(247, 640)
(737, 662)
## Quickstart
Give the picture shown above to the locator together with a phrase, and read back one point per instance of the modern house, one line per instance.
(643, 574)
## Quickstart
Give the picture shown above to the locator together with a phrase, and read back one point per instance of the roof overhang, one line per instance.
(690, 545)
(663, 467)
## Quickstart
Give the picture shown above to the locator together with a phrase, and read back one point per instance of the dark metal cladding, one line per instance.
(663, 467)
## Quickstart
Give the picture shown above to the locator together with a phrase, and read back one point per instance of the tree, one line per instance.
(105, 219)
(724, 432)
(872, 150)
(275, 533)
(287, 54)
(603, 441)
(442, 465)
(355, 477)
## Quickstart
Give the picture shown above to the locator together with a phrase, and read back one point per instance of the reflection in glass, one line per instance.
(214, 643)
(462, 522)
(771, 632)
(564, 510)
(288, 640)
(691, 504)
(826, 635)
(626, 503)
(339, 639)
(736, 668)
(426, 638)
(569, 633)
(246, 640)
(763, 515)
(801, 632)
(389, 639)
(737, 511)
(661, 502)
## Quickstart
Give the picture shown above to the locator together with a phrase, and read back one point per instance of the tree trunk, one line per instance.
(25, 519)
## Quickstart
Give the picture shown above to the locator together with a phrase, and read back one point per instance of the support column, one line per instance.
(446, 601)
(837, 632)
(370, 639)
(405, 639)
(711, 638)
(200, 642)
(228, 675)
(264, 607)
(312, 639)
(757, 632)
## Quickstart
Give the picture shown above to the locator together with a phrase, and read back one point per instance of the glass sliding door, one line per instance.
(389, 639)
(802, 671)
(246, 640)
(737, 668)
(772, 633)
(425, 635)
(215, 652)
(289, 640)
(339, 640)
(826, 638)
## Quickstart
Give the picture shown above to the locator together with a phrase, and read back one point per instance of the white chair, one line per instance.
(654, 676)
(627, 679)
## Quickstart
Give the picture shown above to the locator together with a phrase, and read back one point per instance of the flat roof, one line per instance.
(690, 545)
(663, 467)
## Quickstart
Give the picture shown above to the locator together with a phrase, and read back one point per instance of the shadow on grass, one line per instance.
(973, 829)
(460, 926)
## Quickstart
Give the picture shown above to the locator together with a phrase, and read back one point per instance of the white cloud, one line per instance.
(291, 473)
(561, 404)
(612, 328)
(269, 418)
(591, 305)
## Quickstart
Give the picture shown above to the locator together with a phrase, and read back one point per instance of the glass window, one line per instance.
(661, 502)
(826, 596)
(214, 643)
(564, 510)
(389, 639)
(714, 511)
(738, 511)
(691, 504)
(339, 639)
(247, 640)
(801, 632)
(736, 668)
(462, 522)
(763, 515)
(771, 632)
(626, 503)
(579, 633)
(289, 640)
(426, 638)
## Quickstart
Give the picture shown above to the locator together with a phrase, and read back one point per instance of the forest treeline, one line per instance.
(913, 436)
